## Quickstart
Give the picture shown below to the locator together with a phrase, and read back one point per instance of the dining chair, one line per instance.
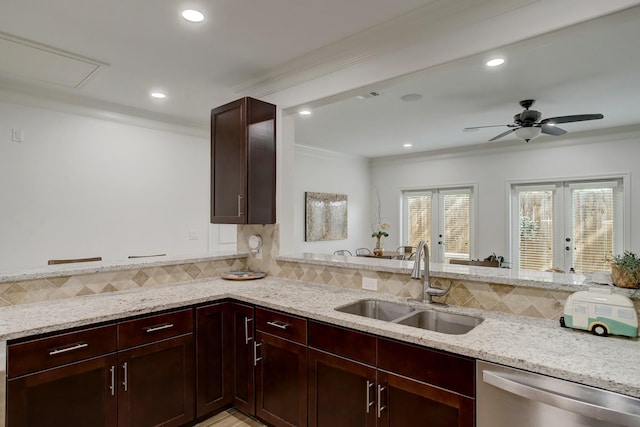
(343, 252)
(363, 251)
(406, 251)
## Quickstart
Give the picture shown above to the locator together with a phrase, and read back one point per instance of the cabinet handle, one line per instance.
(256, 359)
(112, 387)
(125, 383)
(380, 407)
(159, 328)
(240, 205)
(369, 402)
(278, 325)
(71, 348)
(247, 338)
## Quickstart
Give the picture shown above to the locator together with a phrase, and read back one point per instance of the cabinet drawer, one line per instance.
(343, 342)
(44, 353)
(282, 325)
(154, 328)
(435, 367)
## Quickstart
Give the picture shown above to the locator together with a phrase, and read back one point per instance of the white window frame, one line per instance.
(437, 207)
(563, 187)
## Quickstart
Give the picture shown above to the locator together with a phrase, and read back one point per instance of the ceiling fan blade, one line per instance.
(569, 119)
(490, 126)
(552, 130)
(502, 134)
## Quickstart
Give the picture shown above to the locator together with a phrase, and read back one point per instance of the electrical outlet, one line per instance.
(369, 284)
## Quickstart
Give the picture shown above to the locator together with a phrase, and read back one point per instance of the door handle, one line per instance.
(240, 213)
(247, 338)
(256, 359)
(112, 387)
(368, 391)
(380, 407)
(568, 403)
(125, 382)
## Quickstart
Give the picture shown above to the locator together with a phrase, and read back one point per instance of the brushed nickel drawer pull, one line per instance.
(159, 328)
(256, 359)
(380, 407)
(278, 325)
(247, 338)
(240, 213)
(66, 349)
(112, 387)
(369, 401)
(125, 383)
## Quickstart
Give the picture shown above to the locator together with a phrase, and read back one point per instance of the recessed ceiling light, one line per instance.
(193, 15)
(304, 112)
(158, 95)
(411, 97)
(495, 62)
(407, 145)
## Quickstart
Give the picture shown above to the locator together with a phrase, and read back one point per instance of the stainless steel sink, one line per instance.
(438, 321)
(404, 314)
(374, 309)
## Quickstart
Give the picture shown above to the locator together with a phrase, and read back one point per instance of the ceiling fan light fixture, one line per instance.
(528, 133)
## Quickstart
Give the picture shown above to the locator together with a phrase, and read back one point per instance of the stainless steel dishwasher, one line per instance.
(508, 397)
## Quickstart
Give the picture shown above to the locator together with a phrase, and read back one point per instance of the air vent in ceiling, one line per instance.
(368, 95)
(28, 60)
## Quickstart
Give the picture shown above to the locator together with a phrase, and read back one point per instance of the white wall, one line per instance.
(80, 186)
(566, 158)
(327, 172)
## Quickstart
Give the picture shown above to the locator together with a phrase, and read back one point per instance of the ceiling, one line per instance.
(110, 54)
(592, 67)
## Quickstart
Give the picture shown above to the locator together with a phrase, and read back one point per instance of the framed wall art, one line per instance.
(325, 216)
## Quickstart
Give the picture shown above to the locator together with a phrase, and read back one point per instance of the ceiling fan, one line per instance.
(527, 125)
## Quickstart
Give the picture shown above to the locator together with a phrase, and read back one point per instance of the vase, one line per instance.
(378, 250)
(623, 279)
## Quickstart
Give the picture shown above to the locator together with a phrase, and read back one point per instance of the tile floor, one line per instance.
(230, 418)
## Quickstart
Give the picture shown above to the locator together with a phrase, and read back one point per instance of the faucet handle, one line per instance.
(437, 292)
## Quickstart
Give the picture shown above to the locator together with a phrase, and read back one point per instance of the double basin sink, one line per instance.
(405, 314)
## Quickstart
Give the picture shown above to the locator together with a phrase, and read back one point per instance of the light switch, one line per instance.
(17, 135)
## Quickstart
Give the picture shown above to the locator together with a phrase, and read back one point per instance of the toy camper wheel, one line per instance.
(599, 330)
(562, 324)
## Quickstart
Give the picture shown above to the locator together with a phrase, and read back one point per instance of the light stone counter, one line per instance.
(522, 342)
(59, 270)
(516, 277)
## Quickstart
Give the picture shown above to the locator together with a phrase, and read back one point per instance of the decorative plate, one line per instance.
(243, 275)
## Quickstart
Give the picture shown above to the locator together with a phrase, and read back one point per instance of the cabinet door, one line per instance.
(157, 384)
(341, 392)
(229, 164)
(213, 358)
(405, 402)
(281, 381)
(242, 320)
(77, 395)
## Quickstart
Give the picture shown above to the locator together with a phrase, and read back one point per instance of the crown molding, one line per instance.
(320, 153)
(42, 97)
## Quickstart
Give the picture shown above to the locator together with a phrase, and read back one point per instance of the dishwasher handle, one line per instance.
(561, 401)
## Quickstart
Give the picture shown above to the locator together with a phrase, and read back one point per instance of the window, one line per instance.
(566, 225)
(625, 313)
(603, 310)
(442, 218)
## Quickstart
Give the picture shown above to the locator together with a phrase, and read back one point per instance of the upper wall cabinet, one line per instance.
(243, 163)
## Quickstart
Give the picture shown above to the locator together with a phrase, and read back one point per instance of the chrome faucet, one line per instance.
(428, 292)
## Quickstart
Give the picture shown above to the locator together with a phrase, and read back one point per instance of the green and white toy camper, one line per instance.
(600, 311)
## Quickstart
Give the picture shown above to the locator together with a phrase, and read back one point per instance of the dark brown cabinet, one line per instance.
(65, 380)
(213, 358)
(243, 163)
(281, 369)
(243, 342)
(396, 386)
(157, 372)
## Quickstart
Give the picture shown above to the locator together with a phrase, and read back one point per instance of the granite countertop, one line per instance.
(530, 278)
(60, 270)
(533, 344)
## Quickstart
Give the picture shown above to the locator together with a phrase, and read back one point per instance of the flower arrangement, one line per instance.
(379, 232)
(625, 270)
